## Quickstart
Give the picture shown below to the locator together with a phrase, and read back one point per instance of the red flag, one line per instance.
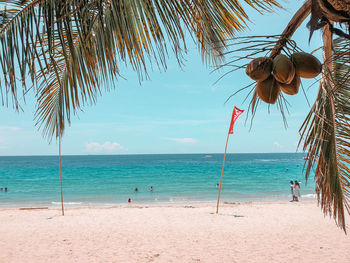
(235, 114)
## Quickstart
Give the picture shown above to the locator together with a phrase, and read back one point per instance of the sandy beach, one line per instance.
(241, 232)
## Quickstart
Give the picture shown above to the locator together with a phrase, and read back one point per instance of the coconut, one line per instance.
(306, 65)
(268, 90)
(259, 69)
(292, 88)
(283, 69)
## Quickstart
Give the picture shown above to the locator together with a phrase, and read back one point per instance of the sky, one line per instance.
(181, 110)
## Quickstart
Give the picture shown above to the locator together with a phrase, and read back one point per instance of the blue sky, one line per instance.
(177, 111)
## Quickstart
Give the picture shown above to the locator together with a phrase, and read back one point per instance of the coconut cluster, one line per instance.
(282, 74)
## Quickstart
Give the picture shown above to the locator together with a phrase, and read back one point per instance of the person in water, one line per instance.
(5, 189)
(136, 189)
(129, 200)
(151, 188)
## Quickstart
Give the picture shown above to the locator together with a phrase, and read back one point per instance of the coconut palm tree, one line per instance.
(326, 130)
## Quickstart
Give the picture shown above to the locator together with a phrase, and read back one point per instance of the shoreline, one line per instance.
(77, 204)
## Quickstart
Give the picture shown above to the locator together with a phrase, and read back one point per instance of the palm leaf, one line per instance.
(69, 48)
(16, 22)
(326, 131)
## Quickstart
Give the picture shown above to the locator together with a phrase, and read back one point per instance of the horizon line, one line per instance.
(128, 154)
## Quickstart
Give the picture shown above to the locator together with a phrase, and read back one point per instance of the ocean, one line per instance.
(111, 179)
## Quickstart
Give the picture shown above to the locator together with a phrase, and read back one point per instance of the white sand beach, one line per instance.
(242, 232)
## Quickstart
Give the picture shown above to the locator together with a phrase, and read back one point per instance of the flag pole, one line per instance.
(235, 114)
(59, 147)
(222, 173)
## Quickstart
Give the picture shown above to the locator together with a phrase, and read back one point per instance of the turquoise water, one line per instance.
(111, 179)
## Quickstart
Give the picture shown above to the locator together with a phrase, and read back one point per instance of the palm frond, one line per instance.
(326, 131)
(16, 23)
(64, 88)
(69, 48)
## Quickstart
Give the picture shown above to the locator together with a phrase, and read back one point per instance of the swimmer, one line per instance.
(129, 200)
(136, 189)
(151, 188)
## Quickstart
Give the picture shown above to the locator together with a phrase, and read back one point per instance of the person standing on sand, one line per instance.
(296, 191)
(292, 190)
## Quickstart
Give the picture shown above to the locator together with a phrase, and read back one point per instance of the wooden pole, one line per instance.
(222, 172)
(59, 147)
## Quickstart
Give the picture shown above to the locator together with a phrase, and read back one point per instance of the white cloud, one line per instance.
(108, 147)
(9, 128)
(183, 140)
(277, 145)
(181, 122)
